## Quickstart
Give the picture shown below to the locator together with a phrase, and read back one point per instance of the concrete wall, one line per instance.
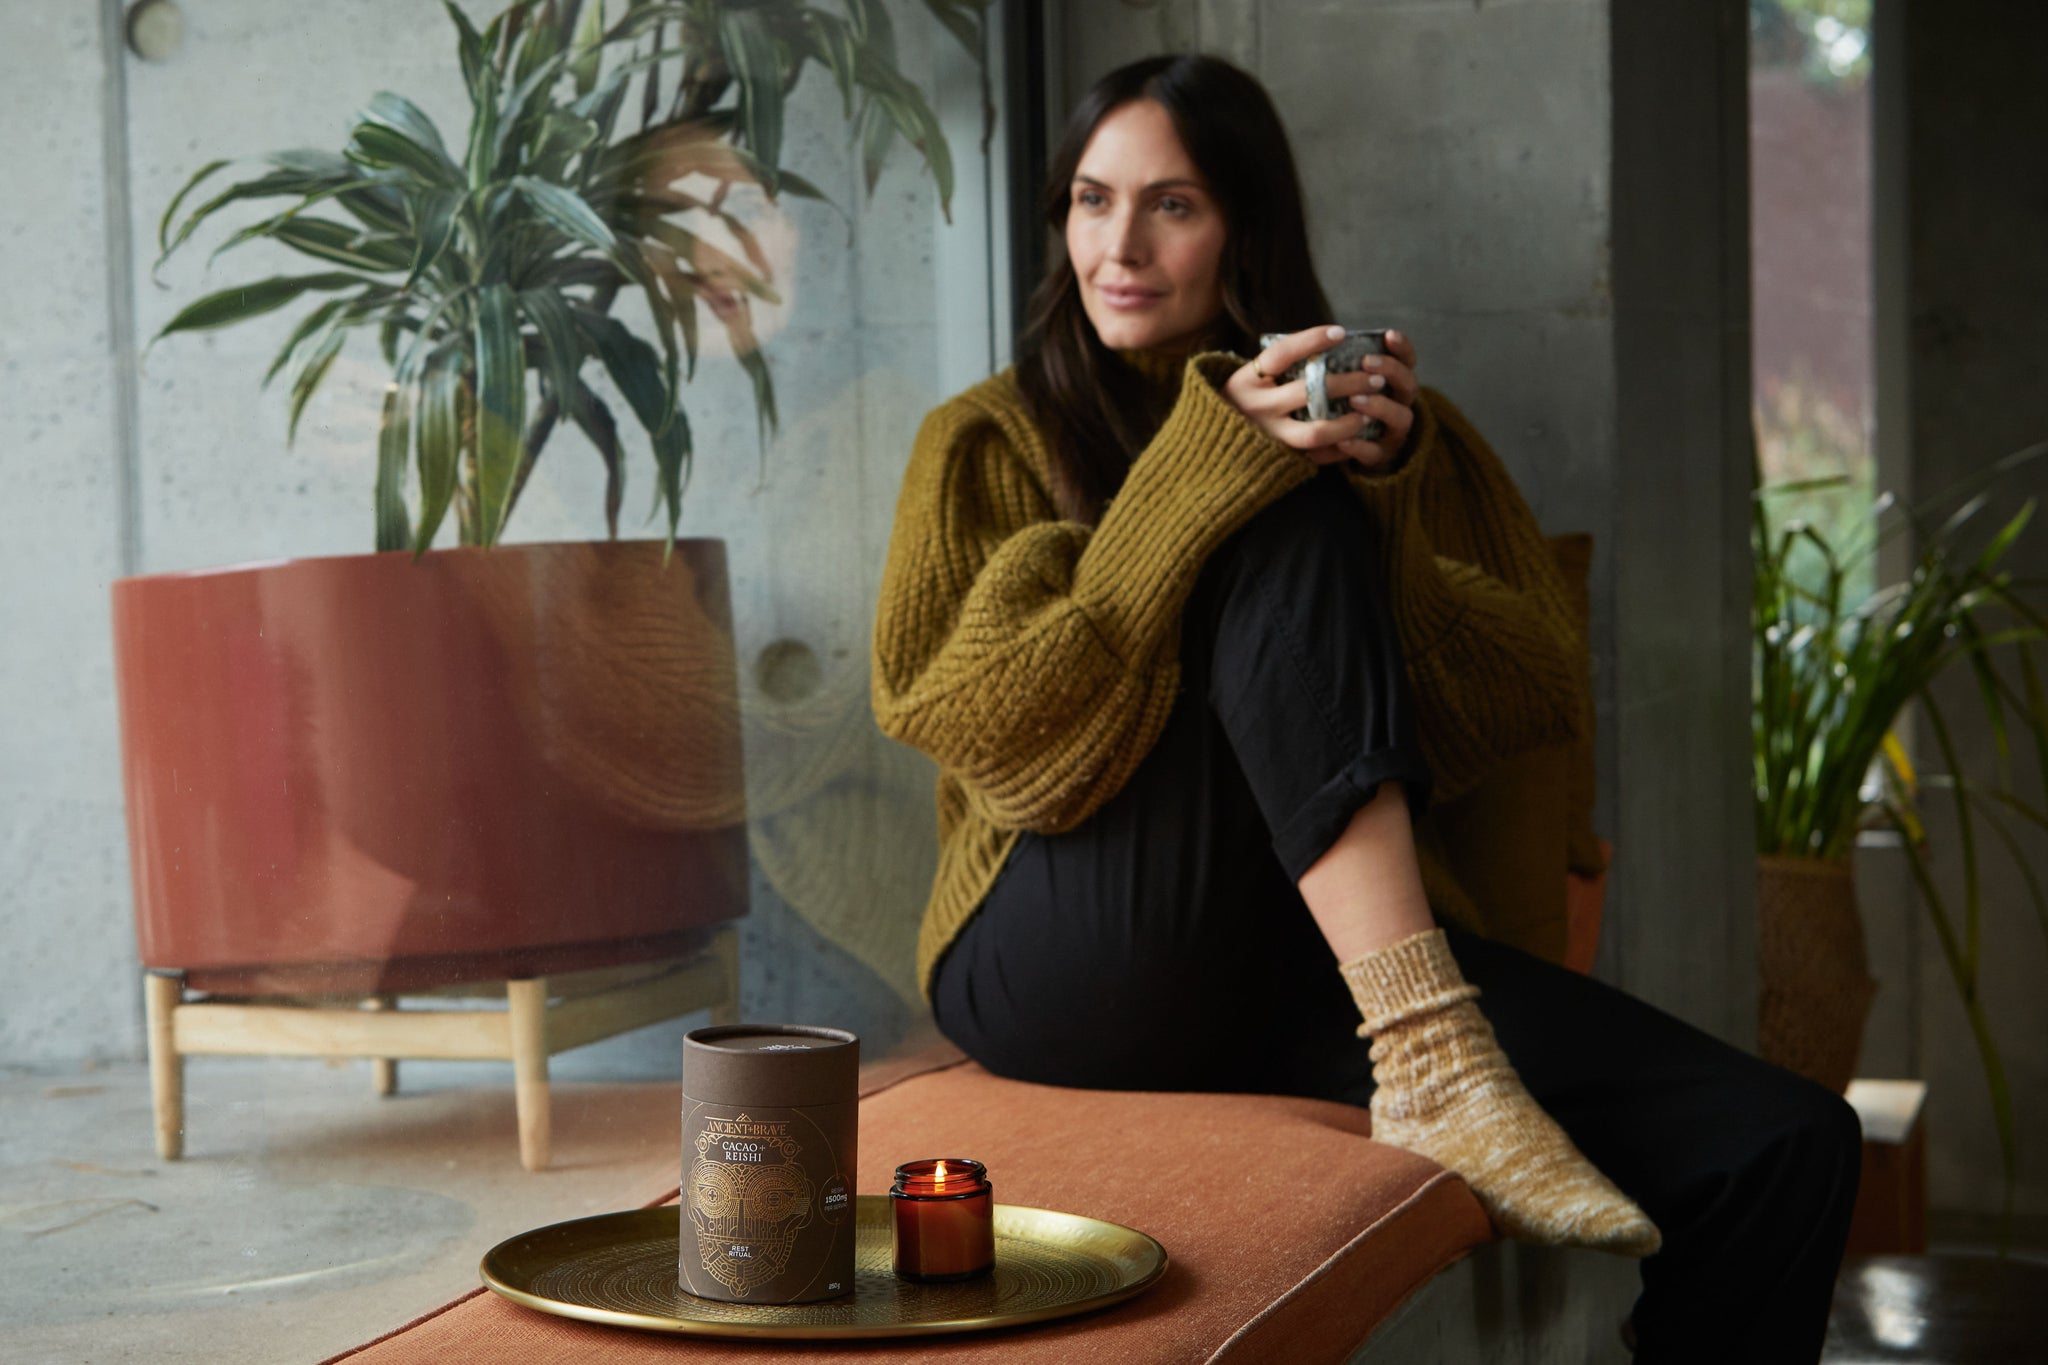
(181, 462)
(1551, 196)
(1962, 306)
(64, 918)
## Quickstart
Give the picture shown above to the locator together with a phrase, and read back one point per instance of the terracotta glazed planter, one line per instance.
(1815, 973)
(366, 775)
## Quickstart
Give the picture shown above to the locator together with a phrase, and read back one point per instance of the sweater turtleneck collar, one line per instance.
(1161, 366)
(1158, 367)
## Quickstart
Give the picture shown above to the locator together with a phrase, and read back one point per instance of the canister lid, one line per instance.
(772, 1065)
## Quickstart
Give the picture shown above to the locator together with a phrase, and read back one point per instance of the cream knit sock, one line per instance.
(1446, 1091)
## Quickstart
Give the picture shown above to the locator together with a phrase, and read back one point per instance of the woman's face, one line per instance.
(1144, 234)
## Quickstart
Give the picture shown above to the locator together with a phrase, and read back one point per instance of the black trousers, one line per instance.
(1162, 945)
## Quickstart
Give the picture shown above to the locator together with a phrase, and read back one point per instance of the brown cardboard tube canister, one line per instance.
(770, 1127)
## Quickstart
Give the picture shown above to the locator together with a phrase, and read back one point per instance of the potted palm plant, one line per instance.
(1834, 670)
(359, 773)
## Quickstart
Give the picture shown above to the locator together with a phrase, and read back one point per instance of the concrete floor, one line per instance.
(308, 1215)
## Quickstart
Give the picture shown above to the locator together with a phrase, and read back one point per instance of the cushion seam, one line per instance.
(405, 1327)
(1339, 1254)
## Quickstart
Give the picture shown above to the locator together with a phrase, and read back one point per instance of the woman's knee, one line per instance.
(1310, 554)
(1807, 1152)
(1320, 518)
(1830, 1136)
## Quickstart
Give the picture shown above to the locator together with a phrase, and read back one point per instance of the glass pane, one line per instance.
(1811, 264)
(369, 783)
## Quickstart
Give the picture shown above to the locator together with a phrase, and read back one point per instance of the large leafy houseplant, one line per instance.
(1834, 670)
(477, 262)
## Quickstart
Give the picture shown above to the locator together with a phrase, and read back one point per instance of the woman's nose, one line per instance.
(1127, 239)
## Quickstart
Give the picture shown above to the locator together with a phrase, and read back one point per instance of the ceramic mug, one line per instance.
(1346, 357)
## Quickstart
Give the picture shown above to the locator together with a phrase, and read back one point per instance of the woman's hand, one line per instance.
(1385, 389)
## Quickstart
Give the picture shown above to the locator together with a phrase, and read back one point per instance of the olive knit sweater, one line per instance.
(1036, 659)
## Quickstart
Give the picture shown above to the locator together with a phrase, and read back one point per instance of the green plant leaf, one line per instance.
(877, 131)
(163, 227)
(405, 118)
(588, 51)
(873, 26)
(251, 300)
(269, 186)
(632, 365)
(426, 340)
(562, 135)
(596, 421)
(434, 224)
(394, 445)
(336, 243)
(756, 62)
(480, 153)
(440, 444)
(832, 42)
(561, 346)
(635, 371)
(908, 112)
(1980, 1026)
(309, 376)
(792, 183)
(765, 419)
(375, 204)
(375, 145)
(307, 326)
(470, 46)
(543, 41)
(567, 211)
(501, 406)
(963, 19)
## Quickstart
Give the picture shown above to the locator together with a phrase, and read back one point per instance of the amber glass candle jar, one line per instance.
(944, 1213)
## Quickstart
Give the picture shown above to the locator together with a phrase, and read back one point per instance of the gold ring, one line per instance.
(1264, 378)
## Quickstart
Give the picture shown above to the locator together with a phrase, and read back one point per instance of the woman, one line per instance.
(1192, 669)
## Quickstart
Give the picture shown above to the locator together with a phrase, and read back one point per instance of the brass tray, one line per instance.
(620, 1269)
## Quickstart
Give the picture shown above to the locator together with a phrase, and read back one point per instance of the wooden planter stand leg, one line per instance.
(527, 1002)
(383, 1070)
(160, 995)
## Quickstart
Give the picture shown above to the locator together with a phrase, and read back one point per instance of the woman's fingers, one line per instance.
(1402, 348)
(1367, 454)
(1295, 346)
(1316, 435)
(1397, 381)
(1382, 390)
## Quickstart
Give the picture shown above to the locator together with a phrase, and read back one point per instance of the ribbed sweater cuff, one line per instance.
(1414, 976)
(1426, 607)
(1205, 473)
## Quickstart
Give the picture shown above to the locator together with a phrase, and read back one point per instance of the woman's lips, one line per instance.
(1128, 296)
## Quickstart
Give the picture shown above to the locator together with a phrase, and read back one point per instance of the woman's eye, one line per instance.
(1179, 208)
(1088, 198)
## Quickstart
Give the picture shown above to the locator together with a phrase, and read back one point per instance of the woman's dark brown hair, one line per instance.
(1091, 404)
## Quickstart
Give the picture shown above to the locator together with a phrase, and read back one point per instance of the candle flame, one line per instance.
(941, 1173)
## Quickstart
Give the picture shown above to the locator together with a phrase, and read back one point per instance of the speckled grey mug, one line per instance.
(1345, 357)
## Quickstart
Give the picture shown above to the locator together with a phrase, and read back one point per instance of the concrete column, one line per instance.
(1962, 129)
(1552, 196)
(64, 911)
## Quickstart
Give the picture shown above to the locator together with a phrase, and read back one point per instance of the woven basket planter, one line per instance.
(1815, 973)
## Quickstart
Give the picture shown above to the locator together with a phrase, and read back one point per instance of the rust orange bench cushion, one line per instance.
(1290, 1232)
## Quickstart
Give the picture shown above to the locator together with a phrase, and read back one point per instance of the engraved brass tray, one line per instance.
(620, 1269)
